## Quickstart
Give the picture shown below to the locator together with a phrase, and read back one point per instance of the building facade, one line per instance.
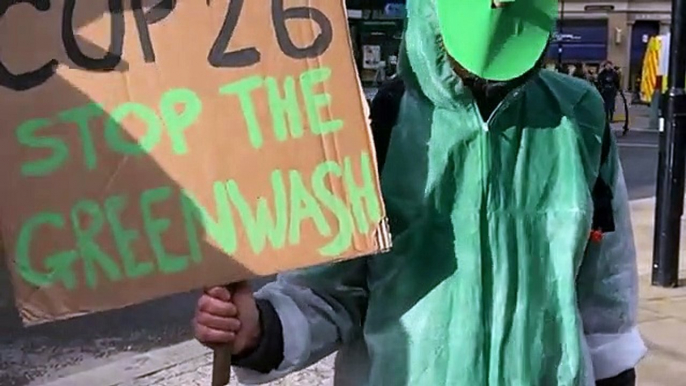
(593, 31)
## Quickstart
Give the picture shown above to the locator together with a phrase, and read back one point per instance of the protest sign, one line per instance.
(151, 148)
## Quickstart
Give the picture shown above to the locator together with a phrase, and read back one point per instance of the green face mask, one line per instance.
(496, 43)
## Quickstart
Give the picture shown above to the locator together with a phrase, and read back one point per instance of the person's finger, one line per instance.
(216, 307)
(221, 293)
(218, 323)
(208, 335)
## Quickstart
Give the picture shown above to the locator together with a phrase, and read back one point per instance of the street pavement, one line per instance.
(58, 349)
(39, 355)
(639, 153)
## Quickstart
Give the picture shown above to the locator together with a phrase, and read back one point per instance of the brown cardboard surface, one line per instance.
(129, 168)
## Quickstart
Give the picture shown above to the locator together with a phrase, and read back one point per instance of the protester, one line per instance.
(513, 260)
(608, 84)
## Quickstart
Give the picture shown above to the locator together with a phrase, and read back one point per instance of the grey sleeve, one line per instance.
(607, 288)
(319, 309)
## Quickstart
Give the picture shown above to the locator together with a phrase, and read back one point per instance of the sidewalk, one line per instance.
(186, 364)
(662, 320)
(662, 312)
(639, 118)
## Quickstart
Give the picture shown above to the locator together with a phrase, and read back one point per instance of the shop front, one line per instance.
(580, 41)
(376, 28)
(379, 48)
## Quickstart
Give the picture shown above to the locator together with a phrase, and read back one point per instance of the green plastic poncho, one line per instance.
(492, 279)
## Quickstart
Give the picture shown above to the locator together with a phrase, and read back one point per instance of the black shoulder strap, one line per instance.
(606, 142)
(603, 214)
(384, 111)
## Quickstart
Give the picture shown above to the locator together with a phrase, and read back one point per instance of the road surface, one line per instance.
(638, 152)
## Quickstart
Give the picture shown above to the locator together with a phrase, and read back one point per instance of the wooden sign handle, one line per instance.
(221, 362)
(221, 366)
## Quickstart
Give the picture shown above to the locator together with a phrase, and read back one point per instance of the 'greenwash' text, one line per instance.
(274, 222)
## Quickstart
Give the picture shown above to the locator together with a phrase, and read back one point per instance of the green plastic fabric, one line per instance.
(491, 222)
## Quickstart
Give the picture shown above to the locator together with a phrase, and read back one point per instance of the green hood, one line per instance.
(424, 63)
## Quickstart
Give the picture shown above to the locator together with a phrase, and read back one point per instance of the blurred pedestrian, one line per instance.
(608, 85)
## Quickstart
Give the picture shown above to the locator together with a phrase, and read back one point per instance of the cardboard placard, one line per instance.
(154, 147)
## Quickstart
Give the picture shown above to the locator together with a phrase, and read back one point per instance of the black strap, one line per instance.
(603, 213)
(605, 145)
(384, 111)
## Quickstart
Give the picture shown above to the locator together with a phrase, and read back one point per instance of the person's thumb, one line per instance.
(248, 336)
(241, 290)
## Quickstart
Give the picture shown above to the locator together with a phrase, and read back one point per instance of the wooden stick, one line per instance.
(221, 366)
(221, 362)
